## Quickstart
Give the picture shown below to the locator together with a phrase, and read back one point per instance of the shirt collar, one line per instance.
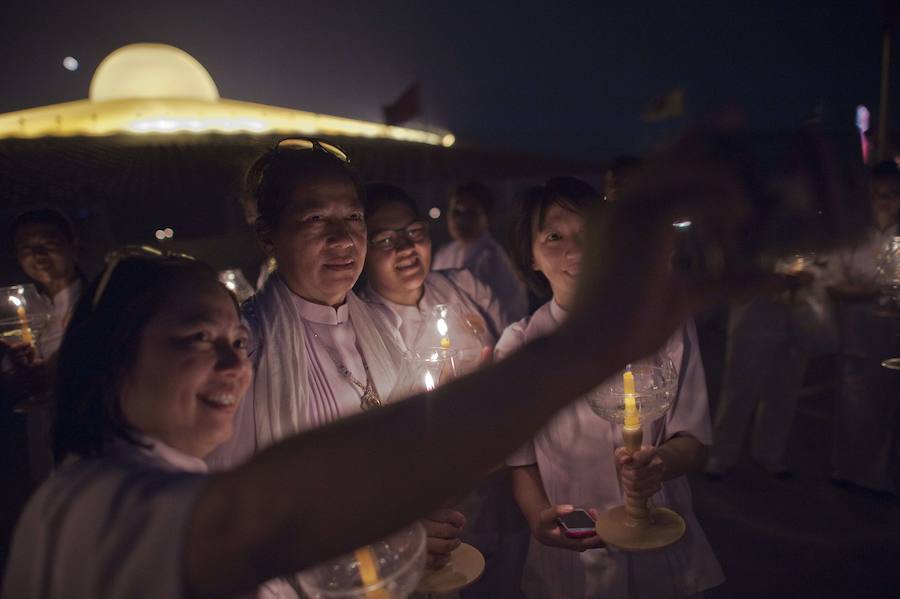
(159, 453)
(558, 313)
(321, 314)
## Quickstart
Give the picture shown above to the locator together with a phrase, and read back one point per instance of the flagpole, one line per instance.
(883, 128)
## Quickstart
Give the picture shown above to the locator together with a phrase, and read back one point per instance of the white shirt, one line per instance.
(574, 454)
(61, 307)
(107, 527)
(457, 287)
(329, 333)
(490, 263)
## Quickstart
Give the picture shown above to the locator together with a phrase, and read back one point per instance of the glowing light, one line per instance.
(435, 213)
(159, 89)
(682, 224)
(429, 381)
(230, 284)
(862, 118)
(195, 125)
(151, 71)
(15, 301)
(442, 327)
(169, 233)
(160, 234)
(70, 64)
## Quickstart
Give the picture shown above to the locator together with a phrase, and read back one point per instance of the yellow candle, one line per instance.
(27, 337)
(368, 572)
(632, 419)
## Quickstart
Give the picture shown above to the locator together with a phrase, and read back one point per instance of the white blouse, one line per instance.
(457, 287)
(574, 454)
(107, 527)
(490, 264)
(61, 307)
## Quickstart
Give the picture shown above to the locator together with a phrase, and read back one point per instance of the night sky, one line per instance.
(555, 79)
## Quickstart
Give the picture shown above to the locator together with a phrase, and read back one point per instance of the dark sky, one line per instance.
(554, 77)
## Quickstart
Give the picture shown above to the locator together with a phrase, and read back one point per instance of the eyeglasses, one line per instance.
(114, 257)
(311, 143)
(389, 239)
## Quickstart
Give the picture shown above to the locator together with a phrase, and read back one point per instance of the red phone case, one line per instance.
(577, 533)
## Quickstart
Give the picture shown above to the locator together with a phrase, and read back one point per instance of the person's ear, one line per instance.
(264, 235)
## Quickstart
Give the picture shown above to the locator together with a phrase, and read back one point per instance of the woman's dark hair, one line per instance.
(42, 216)
(273, 177)
(100, 348)
(568, 192)
(379, 194)
(477, 191)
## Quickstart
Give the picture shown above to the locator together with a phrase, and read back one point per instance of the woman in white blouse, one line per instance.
(400, 282)
(576, 458)
(399, 276)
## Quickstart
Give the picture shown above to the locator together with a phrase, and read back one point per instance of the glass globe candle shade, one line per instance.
(446, 327)
(23, 314)
(234, 281)
(655, 385)
(887, 272)
(387, 569)
(424, 371)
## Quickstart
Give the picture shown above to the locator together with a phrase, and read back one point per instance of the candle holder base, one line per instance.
(466, 566)
(665, 528)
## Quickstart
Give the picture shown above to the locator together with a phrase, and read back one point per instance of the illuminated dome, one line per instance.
(159, 89)
(151, 71)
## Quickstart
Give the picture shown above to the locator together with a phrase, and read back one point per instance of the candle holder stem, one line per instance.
(637, 510)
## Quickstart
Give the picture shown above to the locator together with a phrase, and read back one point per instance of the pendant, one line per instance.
(370, 398)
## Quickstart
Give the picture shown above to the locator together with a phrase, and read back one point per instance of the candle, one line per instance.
(368, 572)
(442, 331)
(632, 420)
(27, 337)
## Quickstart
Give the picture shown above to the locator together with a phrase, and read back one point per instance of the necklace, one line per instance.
(369, 398)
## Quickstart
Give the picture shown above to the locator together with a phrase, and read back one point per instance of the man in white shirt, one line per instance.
(47, 251)
(474, 249)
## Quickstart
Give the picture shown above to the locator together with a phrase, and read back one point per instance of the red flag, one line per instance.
(404, 108)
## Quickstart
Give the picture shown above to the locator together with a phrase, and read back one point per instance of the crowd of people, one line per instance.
(203, 448)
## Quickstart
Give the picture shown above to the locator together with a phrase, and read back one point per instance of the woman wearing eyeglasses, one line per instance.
(398, 281)
(399, 276)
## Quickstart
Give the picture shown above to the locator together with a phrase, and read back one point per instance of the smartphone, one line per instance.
(577, 524)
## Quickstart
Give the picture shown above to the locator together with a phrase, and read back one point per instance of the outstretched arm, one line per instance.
(333, 489)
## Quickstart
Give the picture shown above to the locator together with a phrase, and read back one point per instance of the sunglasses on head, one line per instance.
(311, 143)
(115, 257)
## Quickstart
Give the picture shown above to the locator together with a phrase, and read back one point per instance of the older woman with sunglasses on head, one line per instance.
(153, 368)
(319, 353)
